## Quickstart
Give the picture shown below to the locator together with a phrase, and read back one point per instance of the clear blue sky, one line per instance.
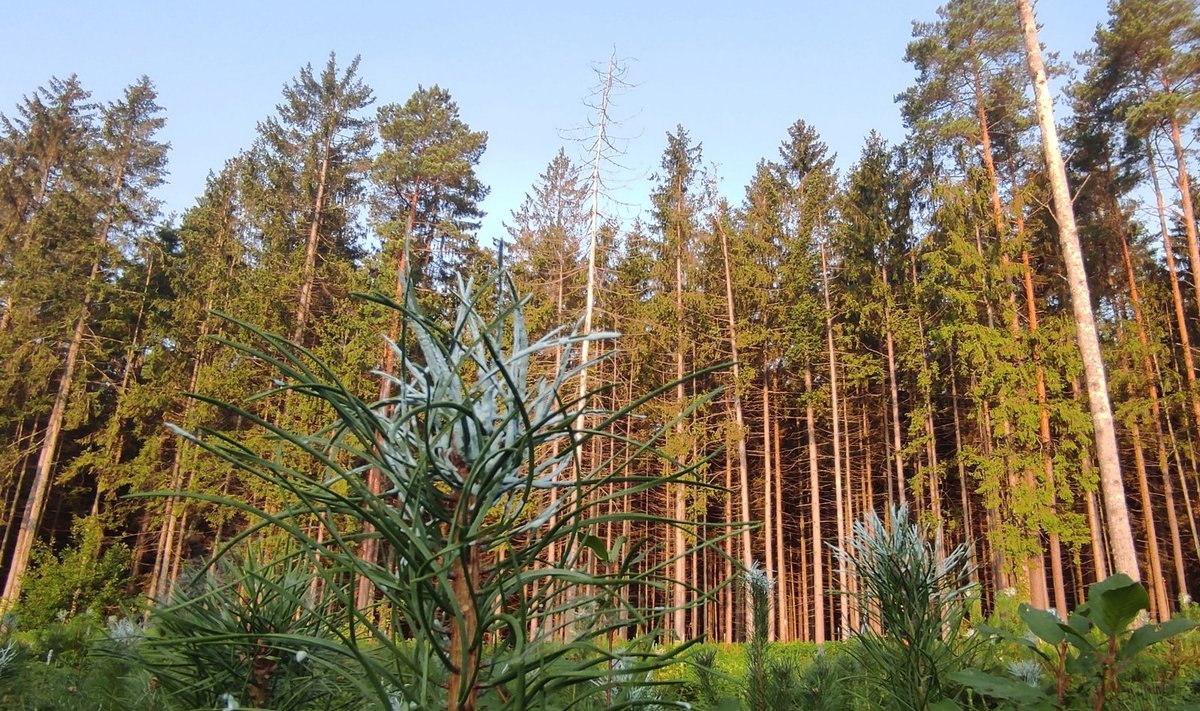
(736, 75)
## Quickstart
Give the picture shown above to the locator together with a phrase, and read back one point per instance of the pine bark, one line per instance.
(1185, 199)
(1156, 414)
(1185, 346)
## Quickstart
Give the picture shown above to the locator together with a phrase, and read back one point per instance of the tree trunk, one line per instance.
(1148, 371)
(1099, 552)
(1044, 438)
(1158, 591)
(963, 490)
(814, 513)
(783, 596)
(985, 138)
(727, 593)
(847, 582)
(739, 421)
(1185, 346)
(594, 226)
(364, 593)
(1183, 483)
(770, 513)
(1185, 199)
(897, 442)
(1120, 531)
(843, 621)
(309, 275)
(680, 593)
(806, 632)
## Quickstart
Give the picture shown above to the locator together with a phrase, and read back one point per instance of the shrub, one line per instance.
(243, 634)
(70, 666)
(80, 578)
(1095, 644)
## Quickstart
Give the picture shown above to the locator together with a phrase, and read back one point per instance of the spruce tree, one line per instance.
(675, 211)
(311, 160)
(127, 163)
(548, 231)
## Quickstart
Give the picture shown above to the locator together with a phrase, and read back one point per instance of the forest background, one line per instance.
(902, 327)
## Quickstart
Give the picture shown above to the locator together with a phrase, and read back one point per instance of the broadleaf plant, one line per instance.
(1095, 642)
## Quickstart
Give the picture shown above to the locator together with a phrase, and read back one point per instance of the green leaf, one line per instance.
(998, 687)
(1042, 623)
(614, 554)
(596, 545)
(1079, 626)
(1116, 606)
(1145, 636)
(1116, 580)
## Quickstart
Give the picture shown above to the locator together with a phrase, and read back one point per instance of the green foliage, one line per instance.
(86, 577)
(317, 144)
(974, 45)
(245, 632)
(759, 677)
(826, 684)
(799, 675)
(73, 666)
(772, 675)
(1093, 646)
(1145, 59)
(914, 604)
(547, 233)
(429, 194)
(496, 577)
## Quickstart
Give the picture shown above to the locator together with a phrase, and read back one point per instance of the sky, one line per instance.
(734, 75)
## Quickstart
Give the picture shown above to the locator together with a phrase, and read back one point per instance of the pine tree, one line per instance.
(426, 202)
(428, 194)
(1148, 59)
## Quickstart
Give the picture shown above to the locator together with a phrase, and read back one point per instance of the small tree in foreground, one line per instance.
(914, 606)
(496, 587)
